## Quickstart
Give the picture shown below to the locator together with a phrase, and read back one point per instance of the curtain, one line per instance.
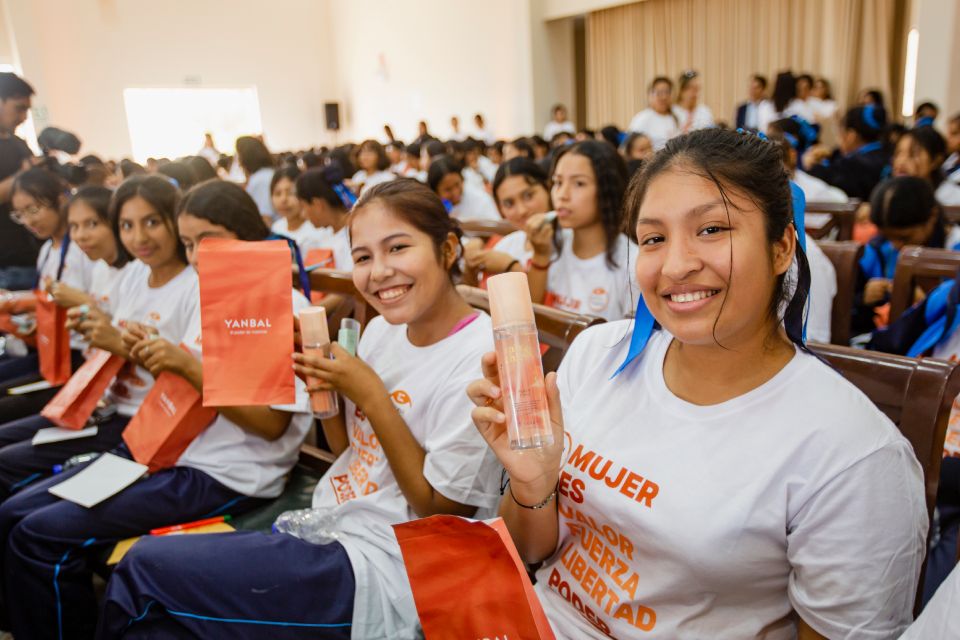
(854, 44)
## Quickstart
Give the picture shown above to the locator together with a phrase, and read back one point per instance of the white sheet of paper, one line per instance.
(106, 476)
(29, 388)
(56, 434)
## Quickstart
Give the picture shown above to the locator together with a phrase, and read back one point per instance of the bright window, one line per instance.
(169, 123)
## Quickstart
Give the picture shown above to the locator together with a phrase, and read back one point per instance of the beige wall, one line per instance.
(81, 60)
(399, 62)
(552, 64)
(554, 9)
(938, 80)
(385, 62)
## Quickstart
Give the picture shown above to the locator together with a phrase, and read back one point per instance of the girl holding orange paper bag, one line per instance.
(38, 203)
(405, 450)
(241, 459)
(88, 219)
(159, 290)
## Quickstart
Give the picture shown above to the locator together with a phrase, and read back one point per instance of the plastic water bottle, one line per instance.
(73, 461)
(317, 526)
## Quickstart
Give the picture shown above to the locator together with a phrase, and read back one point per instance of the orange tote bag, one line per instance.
(75, 402)
(468, 580)
(53, 340)
(169, 419)
(246, 312)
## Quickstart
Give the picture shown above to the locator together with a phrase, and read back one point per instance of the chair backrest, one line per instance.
(486, 229)
(557, 328)
(916, 394)
(952, 213)
(921, 267)
(844, 256)
(823, 217)
(340, 283)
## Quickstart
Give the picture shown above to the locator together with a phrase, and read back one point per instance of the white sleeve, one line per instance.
(948, 193)
(458, 462)
(823, 288)
(939, 618)
(856, 547)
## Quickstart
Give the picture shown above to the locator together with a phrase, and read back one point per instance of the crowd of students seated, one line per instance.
(715, 476)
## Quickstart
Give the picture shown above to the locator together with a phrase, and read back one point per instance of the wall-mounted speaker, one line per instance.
(331, 113)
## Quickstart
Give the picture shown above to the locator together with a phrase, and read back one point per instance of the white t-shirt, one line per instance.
(822, 109)
(801, 108)
(515, 245)
(816, 190)
(553, 128)
(169, 308)
(659, 127)
(258, 186)
(238, 459)
(340, 243)
(105, 280)
(306, 236)
(427, 386)
(939, 618)
(590, 286)
(702, 117)
(77, 268)
(475, 204)
(684, 521)
(487, 168)
(948, 193)
(368, 180)
(823, 288)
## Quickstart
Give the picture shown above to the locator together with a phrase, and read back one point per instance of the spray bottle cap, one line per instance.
(313, 326)
(510, 299)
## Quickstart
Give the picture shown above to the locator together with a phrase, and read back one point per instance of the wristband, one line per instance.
(539, 505)
(539, 267)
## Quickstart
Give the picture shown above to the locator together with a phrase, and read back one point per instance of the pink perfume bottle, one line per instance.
(316, 342)
(518, 361)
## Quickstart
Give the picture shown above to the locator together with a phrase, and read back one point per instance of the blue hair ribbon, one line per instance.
(345, 194)
(870, 116)
(304, 278)
(926, 121)
(792, 139)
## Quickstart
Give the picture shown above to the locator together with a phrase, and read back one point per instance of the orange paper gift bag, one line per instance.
(74, 403)
(246, 312)
(468, 580)
(171, 416)
(53, 340)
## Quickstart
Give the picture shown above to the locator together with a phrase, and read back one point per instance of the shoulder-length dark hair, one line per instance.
(610, 173)
(228, 205)
(160, 194)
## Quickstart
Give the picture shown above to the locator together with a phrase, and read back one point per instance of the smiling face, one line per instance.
(396, 267)
(574, 192)
(91, 233)
(40, 218)
(193, 229)
(145, 234)
(518, 199)
(705, 277)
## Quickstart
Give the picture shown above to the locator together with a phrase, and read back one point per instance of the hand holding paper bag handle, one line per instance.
(534, 473)
(158, 355)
